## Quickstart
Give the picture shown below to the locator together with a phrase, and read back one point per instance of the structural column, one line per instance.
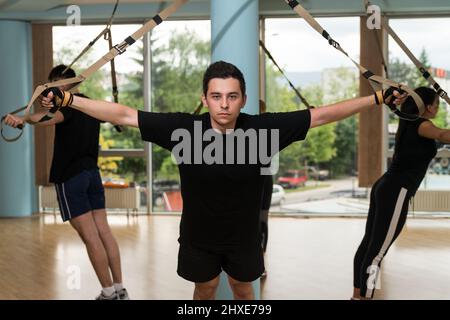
(42, 41)
(17, 196)
(234, 39)
(372, 122)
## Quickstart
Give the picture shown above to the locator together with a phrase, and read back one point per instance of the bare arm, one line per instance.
(347, 108)
(340, 110)
(103, 110)
(107, 111)
(428, 130)
(58, 118)
(14, 121)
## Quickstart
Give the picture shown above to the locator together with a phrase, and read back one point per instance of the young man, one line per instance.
(221, 183)
(79, 187)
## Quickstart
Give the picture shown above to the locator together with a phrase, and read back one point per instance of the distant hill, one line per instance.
(302, 79)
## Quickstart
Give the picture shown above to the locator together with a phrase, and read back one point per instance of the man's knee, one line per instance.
(206, 290)
(241, 290)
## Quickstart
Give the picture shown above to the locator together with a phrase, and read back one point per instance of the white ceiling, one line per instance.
(44, 5)
(52, 10)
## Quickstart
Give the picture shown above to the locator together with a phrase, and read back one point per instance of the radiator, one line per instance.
(123, 198)
(431, 200)
(47, 197)
(116, 198)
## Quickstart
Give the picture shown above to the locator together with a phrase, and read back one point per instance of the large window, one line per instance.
(180, 52)
(180, 55)
(121, 161)
(319, 174)
(432, 52)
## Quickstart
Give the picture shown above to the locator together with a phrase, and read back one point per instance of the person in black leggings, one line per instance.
(415, 147)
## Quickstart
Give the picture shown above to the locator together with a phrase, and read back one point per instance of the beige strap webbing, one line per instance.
(299, 95)
(115, 51)
(102, 33)
(424, 72)
(369, 75)
(115, 90)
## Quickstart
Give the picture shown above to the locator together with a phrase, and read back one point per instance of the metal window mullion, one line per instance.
(148, 150)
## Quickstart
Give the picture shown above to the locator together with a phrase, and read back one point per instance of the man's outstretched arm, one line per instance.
(103, 110)
(347, 108)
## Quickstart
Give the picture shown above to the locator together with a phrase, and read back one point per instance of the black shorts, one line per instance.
(200, 265)
(80, 194)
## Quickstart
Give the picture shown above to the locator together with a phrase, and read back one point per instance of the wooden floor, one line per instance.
(306, 259)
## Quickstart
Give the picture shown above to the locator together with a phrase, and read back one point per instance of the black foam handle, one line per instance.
(20, 126)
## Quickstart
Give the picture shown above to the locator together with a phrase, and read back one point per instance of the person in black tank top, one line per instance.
(79, 187)
(415, 147)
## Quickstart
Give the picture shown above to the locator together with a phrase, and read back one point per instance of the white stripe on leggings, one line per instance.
(389, 236)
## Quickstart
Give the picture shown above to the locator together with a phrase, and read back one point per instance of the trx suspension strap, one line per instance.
(115, 51)
(19, 127)
(423, 71)
(106, 33)
(299, 95)
(103, 33)
(115, 91)
(377, 41)
(198, 109)
(369, 75)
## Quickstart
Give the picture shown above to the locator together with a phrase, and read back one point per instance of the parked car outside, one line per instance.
(278, 195)
(293, 179)
(315, 174)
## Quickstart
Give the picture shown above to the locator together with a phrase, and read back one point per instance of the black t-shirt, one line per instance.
(221, 201)
(76, 145)
(412, 154)
(267, 193)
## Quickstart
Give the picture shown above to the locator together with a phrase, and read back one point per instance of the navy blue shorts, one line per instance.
(80, 194)
(200, 265)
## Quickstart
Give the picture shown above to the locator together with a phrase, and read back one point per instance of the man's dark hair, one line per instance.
(58, 73)
(223, 70)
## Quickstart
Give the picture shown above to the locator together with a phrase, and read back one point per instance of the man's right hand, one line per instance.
(54, 97)
(13, 121)
(392, 97)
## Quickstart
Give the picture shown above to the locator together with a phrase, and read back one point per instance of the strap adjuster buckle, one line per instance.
(120, 48)
(441, 93)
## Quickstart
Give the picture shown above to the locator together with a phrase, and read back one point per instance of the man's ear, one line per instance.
(244, 101)
(205, 103)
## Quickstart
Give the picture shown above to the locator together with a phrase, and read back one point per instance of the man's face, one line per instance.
(224, 100)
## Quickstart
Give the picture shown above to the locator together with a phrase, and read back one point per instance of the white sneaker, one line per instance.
(123, 294)
(102, 296)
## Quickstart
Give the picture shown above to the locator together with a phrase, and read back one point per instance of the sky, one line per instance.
(293, 43)
(298, 47)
